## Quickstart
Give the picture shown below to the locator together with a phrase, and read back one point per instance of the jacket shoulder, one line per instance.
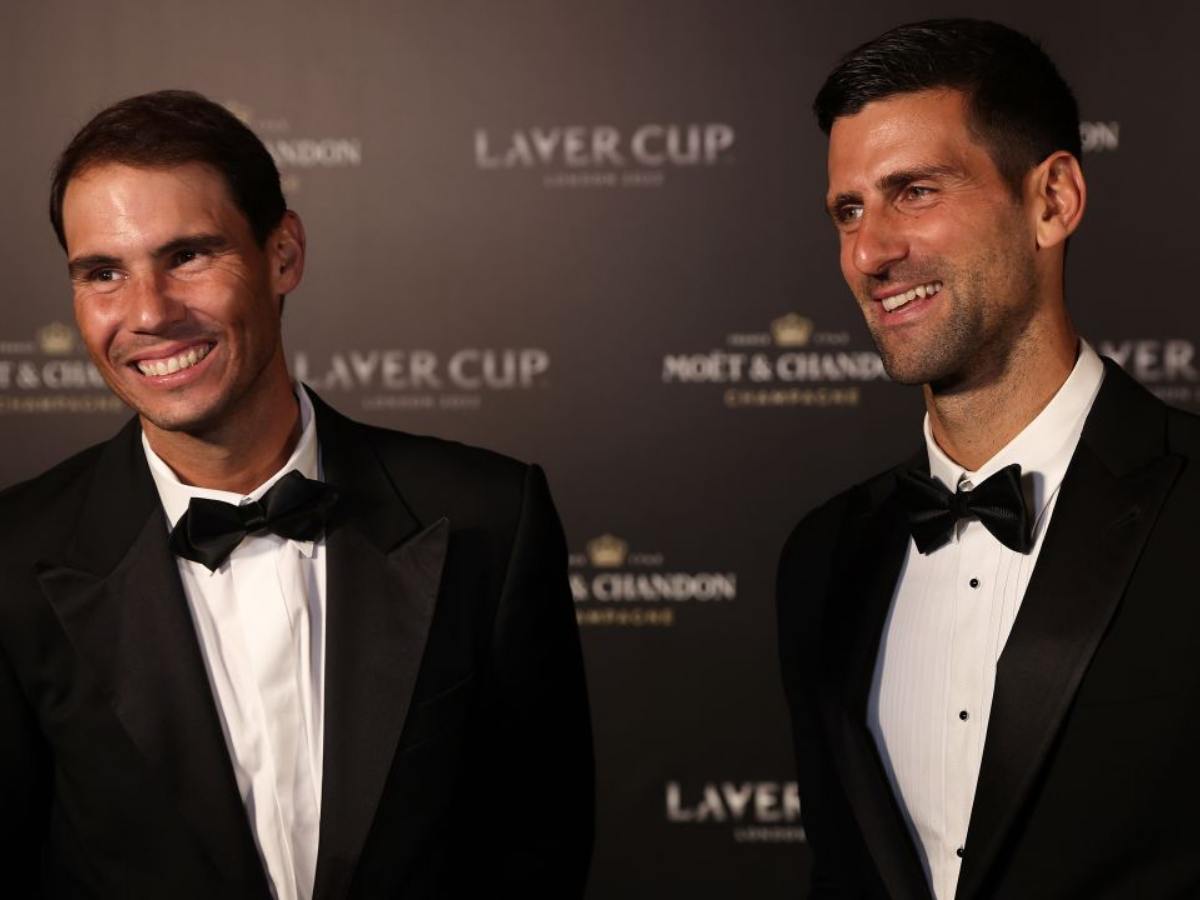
(42, 508)
(428, 456)
(1183, 432)
(820, 527)
(468, 484)
(820, 546)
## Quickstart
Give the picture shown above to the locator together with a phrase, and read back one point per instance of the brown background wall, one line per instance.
(590, 234)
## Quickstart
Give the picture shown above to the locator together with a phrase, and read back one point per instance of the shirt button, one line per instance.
(964, 715)
(974, 582)
(959, 852)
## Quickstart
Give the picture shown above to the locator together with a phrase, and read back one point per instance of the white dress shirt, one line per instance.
(260, 618)
(950, 617)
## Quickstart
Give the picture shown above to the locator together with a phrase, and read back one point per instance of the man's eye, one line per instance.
(183, 257)
(102, 280)
(917, 192)
(846, 215)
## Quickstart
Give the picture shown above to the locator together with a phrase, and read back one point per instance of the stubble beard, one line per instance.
(209, 420)
(991, 302)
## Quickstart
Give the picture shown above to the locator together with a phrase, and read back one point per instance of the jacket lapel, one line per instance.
(879, 538)
(119, 599)
(1107, 506)
(382, 579)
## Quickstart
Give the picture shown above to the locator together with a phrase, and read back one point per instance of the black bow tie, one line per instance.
(997, 503)
(295, 507)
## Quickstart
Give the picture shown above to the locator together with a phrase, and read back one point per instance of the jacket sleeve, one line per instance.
(536, 709)
(803, 587)
(24, 804)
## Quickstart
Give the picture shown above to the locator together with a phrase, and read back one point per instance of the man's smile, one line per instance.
(897, 298)
(158, 364)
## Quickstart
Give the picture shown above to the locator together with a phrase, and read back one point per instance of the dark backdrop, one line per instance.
(590, 234)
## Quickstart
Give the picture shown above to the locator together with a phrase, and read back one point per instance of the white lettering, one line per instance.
(738, 798)
(307, 153)
(605, 141)
(675, 809)
(717, 139)
(575, 148)
(678, 586)
(759, 802)
(641, 151)
(364, 365)
(1153, 361)
(579, 587)
(716, 366)
(1177, 360)
(483, 159)
(1099, 136)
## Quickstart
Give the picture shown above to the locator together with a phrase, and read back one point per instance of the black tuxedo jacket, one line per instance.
(458, 756)
(1090, 779)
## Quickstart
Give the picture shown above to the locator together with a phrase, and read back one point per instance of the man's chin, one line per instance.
(181, 418)
(915, 369)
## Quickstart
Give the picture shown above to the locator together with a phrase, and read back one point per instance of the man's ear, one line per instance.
(285, 254)
(1059, 195)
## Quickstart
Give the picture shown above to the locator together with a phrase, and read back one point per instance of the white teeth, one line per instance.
(898, 300)
(174, 364)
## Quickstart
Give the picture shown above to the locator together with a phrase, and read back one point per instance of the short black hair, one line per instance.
(1019, 105)
(173, 128)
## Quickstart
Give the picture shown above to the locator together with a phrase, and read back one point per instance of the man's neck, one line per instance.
(971, 425)
(240, 456)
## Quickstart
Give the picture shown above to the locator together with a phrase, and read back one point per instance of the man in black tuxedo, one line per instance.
(991, 653)
(250, 648)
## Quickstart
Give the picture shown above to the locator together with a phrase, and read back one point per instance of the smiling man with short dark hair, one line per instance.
(989, 650)
(248, 647)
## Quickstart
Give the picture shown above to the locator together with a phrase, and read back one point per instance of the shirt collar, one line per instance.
(1044, 447)
(176, 495)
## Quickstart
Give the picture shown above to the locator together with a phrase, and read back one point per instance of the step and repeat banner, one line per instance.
(590, 234)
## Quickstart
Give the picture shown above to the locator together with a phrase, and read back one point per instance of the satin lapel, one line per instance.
(120, 601)
(1109, 500)
(857, 619)
(382, 582)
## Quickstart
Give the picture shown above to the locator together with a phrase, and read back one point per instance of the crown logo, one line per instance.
(240, 110)
(607, 551)
(792, 330)
(56, 339)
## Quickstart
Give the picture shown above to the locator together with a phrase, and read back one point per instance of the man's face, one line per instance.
(175, 300)
(934, 246)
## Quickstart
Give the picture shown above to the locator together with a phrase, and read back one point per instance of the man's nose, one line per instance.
(152, 304)
(879, 243)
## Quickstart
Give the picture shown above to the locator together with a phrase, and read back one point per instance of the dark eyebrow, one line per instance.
(896, 180)
(81, 265)
(892, 182)
(206, 242)
(844, 199)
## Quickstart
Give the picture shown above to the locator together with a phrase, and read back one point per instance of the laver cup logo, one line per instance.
(753, 811)
(51, 373)
(616, 585)
(425, 379)
(599, 156)
(793, 363)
